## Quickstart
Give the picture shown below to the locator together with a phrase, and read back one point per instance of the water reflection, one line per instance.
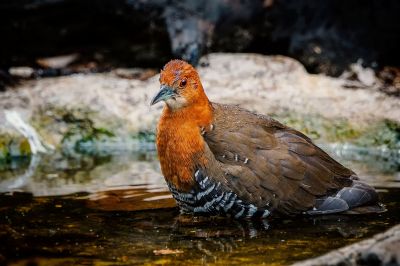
(134, 198)
(117, 209)
(20, 180)
(57, 174)
(42, 228)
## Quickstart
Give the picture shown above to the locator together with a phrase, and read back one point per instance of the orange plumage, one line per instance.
(179, 142)
(221, 159)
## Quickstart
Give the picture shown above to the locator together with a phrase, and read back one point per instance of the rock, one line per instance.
(36, 144)
(361, 76)
(134, 73)
(60, 61)
(390, 76)
(96, 111)
(381, 249)
(22, 72)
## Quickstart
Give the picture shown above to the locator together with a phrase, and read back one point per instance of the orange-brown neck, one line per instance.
(180, 145)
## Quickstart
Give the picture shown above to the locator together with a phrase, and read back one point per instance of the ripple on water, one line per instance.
(117, 210)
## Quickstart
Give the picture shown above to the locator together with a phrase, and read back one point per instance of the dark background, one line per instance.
(326, 36)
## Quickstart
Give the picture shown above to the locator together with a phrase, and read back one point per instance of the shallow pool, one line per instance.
(116, 210)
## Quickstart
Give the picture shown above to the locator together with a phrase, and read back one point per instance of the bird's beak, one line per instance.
(163, 94)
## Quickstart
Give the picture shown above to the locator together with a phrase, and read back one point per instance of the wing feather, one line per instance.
(269, 164)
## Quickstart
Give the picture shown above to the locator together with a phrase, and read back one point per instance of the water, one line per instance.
(116, 210)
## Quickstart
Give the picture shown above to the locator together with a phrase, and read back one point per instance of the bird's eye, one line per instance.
(183, 83)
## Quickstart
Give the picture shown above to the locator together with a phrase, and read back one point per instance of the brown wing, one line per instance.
(269, 164)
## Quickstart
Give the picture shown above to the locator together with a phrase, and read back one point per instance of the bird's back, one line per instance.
(273, 166)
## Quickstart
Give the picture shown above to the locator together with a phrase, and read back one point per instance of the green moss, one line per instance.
(384, 133)
(13, 146)
(76, 131)
(146, 136)
(85, 133)
(3, 150)
(75, 127)
(24, 147)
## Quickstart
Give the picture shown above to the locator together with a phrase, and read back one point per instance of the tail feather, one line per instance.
(329, 205)
(358, 196)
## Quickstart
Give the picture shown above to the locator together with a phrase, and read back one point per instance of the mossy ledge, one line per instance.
(76, 131)
(383, 133)
(13, 146)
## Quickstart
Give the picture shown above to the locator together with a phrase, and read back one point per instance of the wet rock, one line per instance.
(381, 249)
(105, 111)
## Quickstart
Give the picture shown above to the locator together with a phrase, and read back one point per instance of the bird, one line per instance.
(223, 160)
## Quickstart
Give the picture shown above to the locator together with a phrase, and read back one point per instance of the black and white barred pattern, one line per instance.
(211, 198)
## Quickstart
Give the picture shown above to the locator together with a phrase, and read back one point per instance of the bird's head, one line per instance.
(180, 86)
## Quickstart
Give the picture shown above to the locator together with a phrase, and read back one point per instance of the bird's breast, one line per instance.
(180, 148)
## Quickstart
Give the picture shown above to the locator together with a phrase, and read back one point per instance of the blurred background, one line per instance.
(80, 181)
(324, 36)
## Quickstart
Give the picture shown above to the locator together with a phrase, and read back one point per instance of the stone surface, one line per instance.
(105, 106)
(382, 249)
